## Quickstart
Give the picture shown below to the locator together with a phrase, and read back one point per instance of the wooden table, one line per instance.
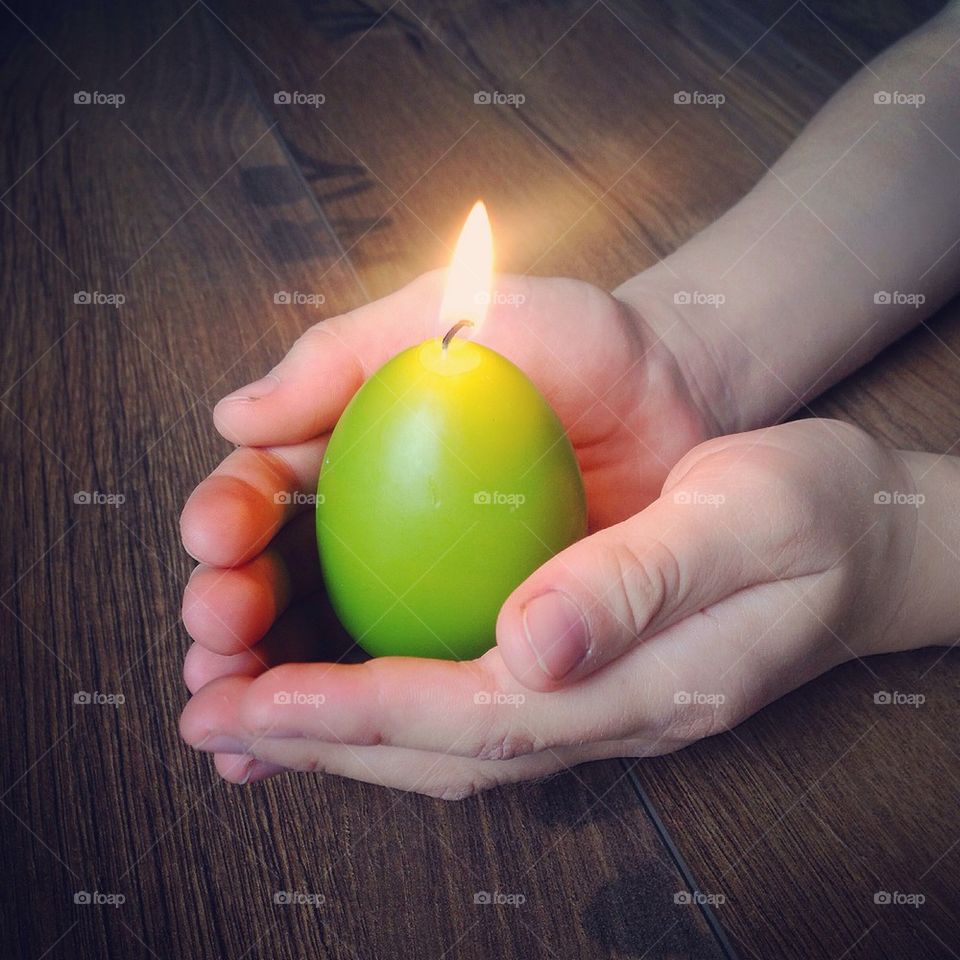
(197, 200)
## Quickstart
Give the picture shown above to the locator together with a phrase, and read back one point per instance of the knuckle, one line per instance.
(315, 764)
(458, 790)
(503, 743)
(696, 721)
(646, 572)
(316, 331)
(497, 736)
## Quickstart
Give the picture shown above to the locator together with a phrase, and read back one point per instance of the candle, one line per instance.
(447, 481)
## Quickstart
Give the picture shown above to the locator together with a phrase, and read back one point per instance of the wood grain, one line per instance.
(186, 202)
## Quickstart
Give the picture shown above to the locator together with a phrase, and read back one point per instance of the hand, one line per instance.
(766, 561)
(632, 383)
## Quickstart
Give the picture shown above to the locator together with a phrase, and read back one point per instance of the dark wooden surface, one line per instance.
(197, 200)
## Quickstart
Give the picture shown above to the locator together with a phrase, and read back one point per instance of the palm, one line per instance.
(621, 393)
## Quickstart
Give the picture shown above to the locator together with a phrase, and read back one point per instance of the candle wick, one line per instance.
(452, 332)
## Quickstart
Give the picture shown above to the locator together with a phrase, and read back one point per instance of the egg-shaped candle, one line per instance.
(448, 480)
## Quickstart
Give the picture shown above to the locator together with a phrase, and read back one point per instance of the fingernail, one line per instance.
(221, 743)
(556, 632)
(246, 777)
(256, 390)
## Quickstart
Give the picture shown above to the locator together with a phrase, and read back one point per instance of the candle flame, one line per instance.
(466, 295)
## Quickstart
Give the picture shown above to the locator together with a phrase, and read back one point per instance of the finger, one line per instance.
(211, 727)
(304, 395)
(307, 631)
(707, 537)
(433, 774)
(538, 326)
(235, 512)
(241, 769)
(229, 610)
(201, 666)
(471, 709)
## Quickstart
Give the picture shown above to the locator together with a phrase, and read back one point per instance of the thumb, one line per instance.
(608, 592)
(304, 395)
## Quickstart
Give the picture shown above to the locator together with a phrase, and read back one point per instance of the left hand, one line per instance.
(765, 562)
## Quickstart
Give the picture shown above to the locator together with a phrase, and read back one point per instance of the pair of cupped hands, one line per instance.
(721, 569)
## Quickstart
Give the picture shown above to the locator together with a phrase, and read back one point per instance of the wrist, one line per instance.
(691, 342)
(929, 612)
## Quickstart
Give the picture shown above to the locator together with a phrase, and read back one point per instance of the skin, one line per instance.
(723, 568)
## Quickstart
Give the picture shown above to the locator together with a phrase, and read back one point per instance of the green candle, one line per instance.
(447, 481)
